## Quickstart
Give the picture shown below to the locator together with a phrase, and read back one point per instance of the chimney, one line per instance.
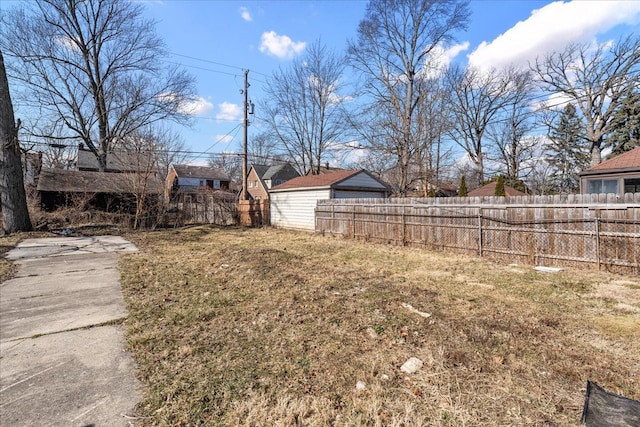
(327, 165)
(81, 146)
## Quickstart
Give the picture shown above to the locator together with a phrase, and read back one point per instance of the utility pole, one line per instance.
(245, 194)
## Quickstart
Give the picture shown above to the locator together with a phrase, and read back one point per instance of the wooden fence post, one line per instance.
(353, 222)
(404, 231)
(480, 232)
(597, 226)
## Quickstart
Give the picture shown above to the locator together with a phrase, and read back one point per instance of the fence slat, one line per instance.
(577, 230)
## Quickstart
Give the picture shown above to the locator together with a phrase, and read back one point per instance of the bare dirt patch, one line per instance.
(267, 327)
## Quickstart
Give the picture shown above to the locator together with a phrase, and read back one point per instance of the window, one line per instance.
(216, 184)
(632, 185)
(602, 186)
(250, 184)
(203, 183)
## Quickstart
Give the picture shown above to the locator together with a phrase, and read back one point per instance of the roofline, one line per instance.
(608, 171)
(284, 190)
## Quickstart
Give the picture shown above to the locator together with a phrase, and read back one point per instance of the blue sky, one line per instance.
(264, 35)
(217, 40)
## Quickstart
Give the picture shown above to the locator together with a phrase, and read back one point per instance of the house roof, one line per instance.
(624, 162)
(490, 190)
(73, 181)
(260, 169)
(201, 172)
(269, 172)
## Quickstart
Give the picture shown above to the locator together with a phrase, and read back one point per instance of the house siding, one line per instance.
(296, 209)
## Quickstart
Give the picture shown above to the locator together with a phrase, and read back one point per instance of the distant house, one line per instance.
(293, 203)
(102, 190)
(490, 190)
(115, 189)
(618, 175)
(187, 182)
(262, 178)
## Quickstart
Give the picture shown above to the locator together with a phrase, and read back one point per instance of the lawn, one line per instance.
(264, 327)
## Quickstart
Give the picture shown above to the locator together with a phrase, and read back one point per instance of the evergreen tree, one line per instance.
(568, 151)
(500, 187)
(625, 133)
(462, 190)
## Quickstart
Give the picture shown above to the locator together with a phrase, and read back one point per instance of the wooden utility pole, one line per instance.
(245, 194)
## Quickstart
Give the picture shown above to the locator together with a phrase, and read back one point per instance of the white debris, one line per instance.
(411, 365)
(548, 269)
(413, 310)
(361, 385)
(384, 377)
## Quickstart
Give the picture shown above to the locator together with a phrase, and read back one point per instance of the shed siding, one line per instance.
(296, 209)
(343, 194)
(361, 180)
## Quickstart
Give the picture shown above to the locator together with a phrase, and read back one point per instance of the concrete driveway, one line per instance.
(62, 358)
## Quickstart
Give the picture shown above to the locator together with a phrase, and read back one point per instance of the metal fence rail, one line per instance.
(595, 236)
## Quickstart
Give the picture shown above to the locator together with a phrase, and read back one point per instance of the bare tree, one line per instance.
(431, 126)
(395, 40)
(15, 215)
(303, 106)
(230, 163)
(478, 98)
(595, 79)
(262, 147)
(93, 69)
(169, 148)
(510, 135)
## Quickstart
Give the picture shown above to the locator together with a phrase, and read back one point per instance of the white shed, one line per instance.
(293, 203)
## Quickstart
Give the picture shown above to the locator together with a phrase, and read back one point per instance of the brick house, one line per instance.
(261, 178)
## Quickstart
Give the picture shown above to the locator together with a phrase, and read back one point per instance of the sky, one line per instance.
(218, 40)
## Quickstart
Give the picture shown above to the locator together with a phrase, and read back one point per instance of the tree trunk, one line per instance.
(14, 200)
(596, 155)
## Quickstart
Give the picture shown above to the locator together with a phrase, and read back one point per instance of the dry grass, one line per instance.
(275, 328)
(7, 269)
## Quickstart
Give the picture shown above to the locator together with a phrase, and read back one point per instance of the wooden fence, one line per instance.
(594, 231)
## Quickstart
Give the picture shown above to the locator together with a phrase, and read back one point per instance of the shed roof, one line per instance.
(625, 161)
(327, 180)
(490, 190)
(73, 181)
(202, 172)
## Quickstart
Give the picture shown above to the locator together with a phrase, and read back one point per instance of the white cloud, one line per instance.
(229, 111)
(197, 106)
(280, 46)
(244, 13)
(550, 28)
(440, 58)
